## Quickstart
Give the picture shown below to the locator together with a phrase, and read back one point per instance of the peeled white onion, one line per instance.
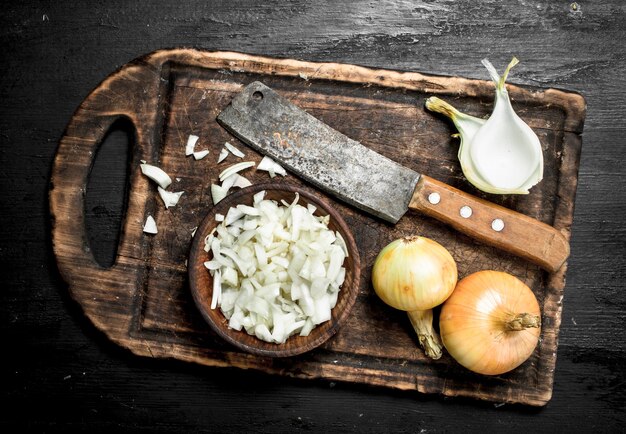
(502, 154)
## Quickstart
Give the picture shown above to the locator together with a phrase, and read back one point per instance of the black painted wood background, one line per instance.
(59, 374)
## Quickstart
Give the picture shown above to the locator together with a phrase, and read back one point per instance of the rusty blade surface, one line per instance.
(261, 118)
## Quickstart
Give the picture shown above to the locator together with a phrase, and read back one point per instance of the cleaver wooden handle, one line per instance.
(492, 224)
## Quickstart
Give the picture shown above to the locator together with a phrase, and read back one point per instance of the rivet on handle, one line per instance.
(466, 212)
(497, 225)
(434, 198)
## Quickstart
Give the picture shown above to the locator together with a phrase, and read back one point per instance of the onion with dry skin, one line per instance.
(491, 323)
(415, 274)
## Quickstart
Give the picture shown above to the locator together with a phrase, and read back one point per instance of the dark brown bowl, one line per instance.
(201, 282)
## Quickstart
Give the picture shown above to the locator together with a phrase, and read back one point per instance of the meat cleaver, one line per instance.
(274, 126)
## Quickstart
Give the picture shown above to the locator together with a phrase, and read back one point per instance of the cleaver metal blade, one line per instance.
(337, 164)
(269, 123)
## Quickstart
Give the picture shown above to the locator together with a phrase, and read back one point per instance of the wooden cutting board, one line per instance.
(143, 302)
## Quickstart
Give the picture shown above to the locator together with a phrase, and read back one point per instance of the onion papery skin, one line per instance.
(473, 322)
(414, 273)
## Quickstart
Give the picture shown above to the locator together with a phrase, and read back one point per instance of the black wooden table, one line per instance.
(60, 374)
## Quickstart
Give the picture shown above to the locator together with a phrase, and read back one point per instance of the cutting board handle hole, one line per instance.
(257, 96)
(105, 207)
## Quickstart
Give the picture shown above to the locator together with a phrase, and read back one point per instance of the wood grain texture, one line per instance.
(62, 366)
(142, 301)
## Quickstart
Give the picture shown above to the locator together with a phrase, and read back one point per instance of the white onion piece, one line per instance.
(229, 277)
(235, 168)
(208, 240)
(236, 152)
(322, 309)
(217, 289)
(232, 216)
(249, 210)
(191, 144)
(279, 268)
(342, 243)
(307, 327)
(218, 193)
(269, 165)
(222, 156)
(200, 154)
(229, 181)
(170, 198)
(241, 182)
(258, 197)
(212, 265)
(156, 174)
(150, 226)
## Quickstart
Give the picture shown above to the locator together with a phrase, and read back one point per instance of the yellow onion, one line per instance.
(415, 274)
(491, 323)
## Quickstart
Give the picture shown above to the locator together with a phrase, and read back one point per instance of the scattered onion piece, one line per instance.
(150, 226)
(170, 198)
(218, 193)
(241, 182)
(191, 144)
(236, 152)
(200, 154)
(235, 168)
(156, 174)
(223, 155)
(235, 180)
(228, 182)
(269, 165)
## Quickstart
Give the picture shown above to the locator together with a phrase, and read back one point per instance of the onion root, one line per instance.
(422, 322)
(523, 321)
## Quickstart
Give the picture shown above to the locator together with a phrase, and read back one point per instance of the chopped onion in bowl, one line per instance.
(277, 268)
